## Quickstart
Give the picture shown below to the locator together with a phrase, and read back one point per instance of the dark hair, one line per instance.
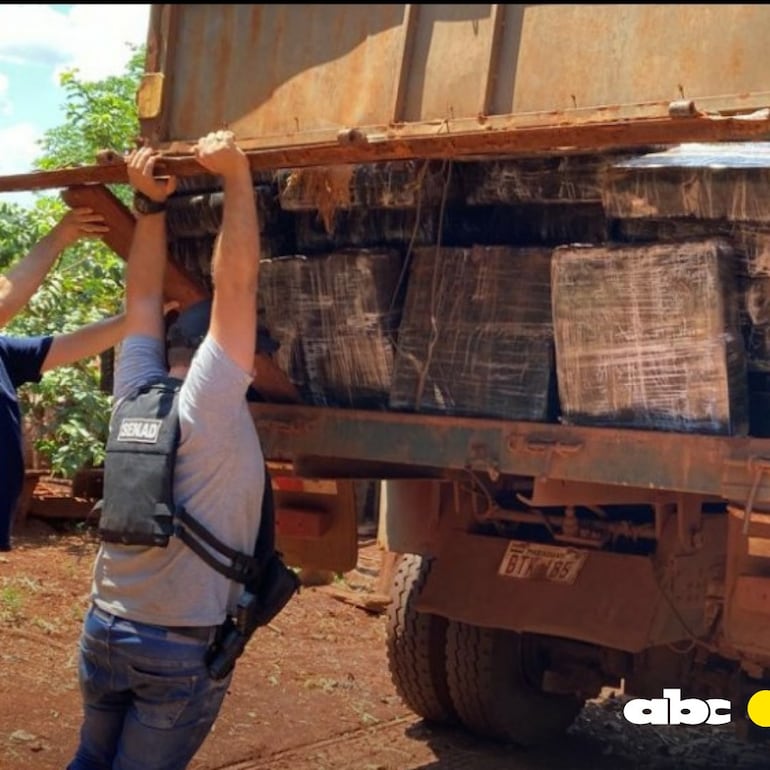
(188, 329)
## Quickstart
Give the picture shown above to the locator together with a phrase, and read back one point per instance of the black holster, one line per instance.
(258, 605)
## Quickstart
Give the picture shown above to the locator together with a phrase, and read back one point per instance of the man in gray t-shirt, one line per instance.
(148, 699)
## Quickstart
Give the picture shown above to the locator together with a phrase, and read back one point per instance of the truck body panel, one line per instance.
(342, 83)
(326, 442)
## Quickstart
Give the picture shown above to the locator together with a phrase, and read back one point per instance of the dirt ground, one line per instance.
(312, 691)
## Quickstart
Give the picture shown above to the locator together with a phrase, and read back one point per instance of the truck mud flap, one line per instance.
(621, 601)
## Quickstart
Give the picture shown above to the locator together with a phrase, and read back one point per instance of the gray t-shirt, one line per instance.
(219, 478)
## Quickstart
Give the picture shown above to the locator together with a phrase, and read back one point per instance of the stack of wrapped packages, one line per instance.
(476, 337)
(334, 305)
(693, 194)
(627, 289)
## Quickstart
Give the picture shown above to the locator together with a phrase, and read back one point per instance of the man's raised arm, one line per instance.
(19, 283)
(148, 253)
(235, 263)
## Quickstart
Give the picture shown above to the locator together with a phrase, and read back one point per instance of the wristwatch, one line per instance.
(145, 205)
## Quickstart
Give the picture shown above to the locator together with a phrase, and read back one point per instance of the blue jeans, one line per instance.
(148, 699)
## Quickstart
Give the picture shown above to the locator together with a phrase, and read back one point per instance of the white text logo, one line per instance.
(672, 710)
(145, 431)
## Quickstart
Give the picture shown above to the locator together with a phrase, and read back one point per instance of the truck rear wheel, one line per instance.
(416, 645)
(494, 679)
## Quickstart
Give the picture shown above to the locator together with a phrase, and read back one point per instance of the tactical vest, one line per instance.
(138, 505)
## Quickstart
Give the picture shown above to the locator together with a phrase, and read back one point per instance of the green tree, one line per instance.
(16, 237)
(67, 413)
(98, 115)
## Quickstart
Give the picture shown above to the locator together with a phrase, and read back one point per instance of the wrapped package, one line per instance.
(194, 255)
(757, 302)
(476, 334)
(667, 230)
(197, 214)
(391, 184)
(728, 180)
(540, 179)
(758, 348)
(361, 228)
(335, 317)
(649, 337)
(204, 182)
(753, 245)
(524, 225)
(520, 225)
(759, 401)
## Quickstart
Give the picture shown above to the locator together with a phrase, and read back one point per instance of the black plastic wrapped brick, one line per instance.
(476, 334)
(649, 337)
(727, 180)
(335, 317)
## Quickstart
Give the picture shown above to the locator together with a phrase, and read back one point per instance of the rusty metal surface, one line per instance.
(333, 549)
(752, 594)
(306, 85)
(617, 600)
(747, 587)
(505, 135)
(282, 75)
(327, 441)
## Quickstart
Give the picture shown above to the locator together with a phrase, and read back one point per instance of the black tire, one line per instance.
(493, 695)
(416, 644)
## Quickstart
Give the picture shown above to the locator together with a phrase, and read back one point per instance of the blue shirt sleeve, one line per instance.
(23, 357)
(142, 358)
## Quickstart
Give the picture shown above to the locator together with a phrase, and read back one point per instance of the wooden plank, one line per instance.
(120, 220)
(386, 573)
(272, 383)
(178, 286)
(60, 508)
(31, 478)
(375, 603)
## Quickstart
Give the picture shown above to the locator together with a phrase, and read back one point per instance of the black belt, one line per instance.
(203, 633)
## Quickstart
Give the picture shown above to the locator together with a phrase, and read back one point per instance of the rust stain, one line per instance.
(327, 188)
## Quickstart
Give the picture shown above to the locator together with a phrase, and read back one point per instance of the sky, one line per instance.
(37, 43)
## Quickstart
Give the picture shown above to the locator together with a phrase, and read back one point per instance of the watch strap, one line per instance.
(146, 205)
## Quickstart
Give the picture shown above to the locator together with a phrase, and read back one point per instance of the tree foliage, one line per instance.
(67, 413)
(97, 115)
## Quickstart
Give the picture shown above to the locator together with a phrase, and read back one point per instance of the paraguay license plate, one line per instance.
(535, 561)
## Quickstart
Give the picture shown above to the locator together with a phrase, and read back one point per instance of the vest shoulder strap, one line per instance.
(243, 568)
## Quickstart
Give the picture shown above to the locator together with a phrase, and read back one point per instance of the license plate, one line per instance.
(533, 561)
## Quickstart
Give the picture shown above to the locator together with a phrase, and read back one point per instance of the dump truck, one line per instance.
(515, 261)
